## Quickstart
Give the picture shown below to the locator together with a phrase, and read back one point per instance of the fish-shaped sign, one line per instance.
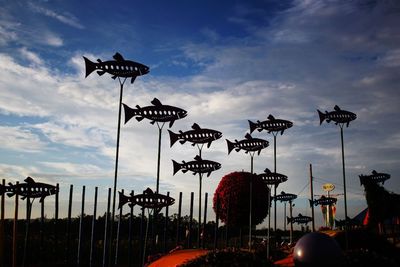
(338, 116)
(271, 125)
(374, 177)
(249, 144)
(32, 189)
(300, 219)
(196, 136)
(157, 112)
(152, 200)
(199, 165)
(285, 197)
(125, 200)
(272, 178)
(323, 200)
(117, 68)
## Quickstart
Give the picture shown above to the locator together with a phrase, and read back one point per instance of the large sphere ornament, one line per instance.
(233, 194)
(317, 249)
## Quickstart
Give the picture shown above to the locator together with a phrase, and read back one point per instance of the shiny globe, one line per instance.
(317, 249)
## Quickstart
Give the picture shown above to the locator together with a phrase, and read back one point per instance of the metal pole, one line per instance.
(2, 239)
(159, 157)
(190, 220)
(15, 229)
(284, 217)
(179, 219)
(28, 221)
(78, 260)
(93, 228)
(269, 220)
(275, 187)
(130, 232)
(165, 227)
(200, 187)
(291, 222)
(106, 229)
(251, 198)
(204, 221)
(67, 258)
(41, 255)
(141, 234)
(344, 190)
(312, 199)
(56, 221)
(116, 169)
(118, 233)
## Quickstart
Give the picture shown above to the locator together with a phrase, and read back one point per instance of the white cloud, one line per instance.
(52, 39)
(20, 139)
(34, 58)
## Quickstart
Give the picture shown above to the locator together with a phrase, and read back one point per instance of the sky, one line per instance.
(225, 62)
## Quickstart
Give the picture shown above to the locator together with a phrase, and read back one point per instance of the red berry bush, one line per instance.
(233, 192)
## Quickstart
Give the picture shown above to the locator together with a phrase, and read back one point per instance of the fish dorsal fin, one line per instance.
(148, 191)
(267, 170)
(118, 57)
(195, 126)
(271, 118)
(99, 60)
(336, 107)
(29, 180)
(156, 102)
(248, 136)
(283, 193)
(197, 158)
(374, 172)
(299, 215)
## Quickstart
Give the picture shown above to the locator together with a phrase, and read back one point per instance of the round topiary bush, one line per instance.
(233, 192)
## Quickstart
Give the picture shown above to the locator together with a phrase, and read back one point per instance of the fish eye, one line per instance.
(136, 68)
(106, 67)
(111, 67)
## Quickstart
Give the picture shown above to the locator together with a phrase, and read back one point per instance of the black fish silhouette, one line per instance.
(249, 144)
(338, 116)
(300, 219)
(32, 189)
(285, 197)
(272, 178)
(374, 177)
(271, 125)
(197, 166)
(118, 67)
(152, 200)
(125, 199)
(196, 136)
(157, 112)
(323, 201)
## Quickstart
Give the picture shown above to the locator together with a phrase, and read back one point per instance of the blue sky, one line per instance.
(225, 62)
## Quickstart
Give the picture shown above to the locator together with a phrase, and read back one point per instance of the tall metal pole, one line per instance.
(158, 157)
(284, 217)
(116, 168)
(269, 220)
(15, 229)
(2, 258)
(344, 189)
(93, 228)
(312, 199)
(67, 249)
(200, 187)
(275, 187)
(80, 237)
(291, 222)
(251, 198)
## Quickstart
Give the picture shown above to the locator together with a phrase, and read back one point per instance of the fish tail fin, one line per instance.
(288, 219)
(89, 66)
(173, 137)
(177, 166)
(321, 116)
(129, 112)
(231, 146)
(122, 200)
(253, 126)
(311, 203)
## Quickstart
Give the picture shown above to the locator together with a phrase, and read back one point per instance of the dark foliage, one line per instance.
(233, 194)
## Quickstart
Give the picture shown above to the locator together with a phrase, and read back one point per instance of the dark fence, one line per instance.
(84, 240)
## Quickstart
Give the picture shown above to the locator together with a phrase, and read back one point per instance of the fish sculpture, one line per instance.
(323, 200)
(374, 177)
(152, 200)
(157, 112)
(32, 189)
(338, 116)
(197, 166)
(196, 136)
(300, 219)
(125, 200)
(285, 197)
(271, 125)
(249, 144)
(117, 68)
(272, 178)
